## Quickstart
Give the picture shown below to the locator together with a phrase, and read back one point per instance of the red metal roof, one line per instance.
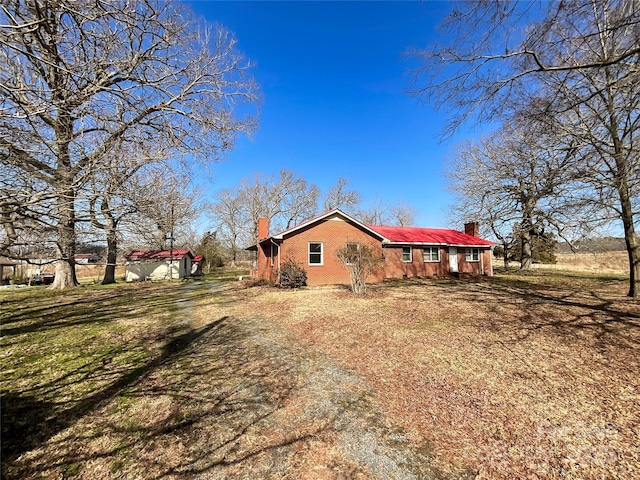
(198, 258)
(432, 236)
(157, 254)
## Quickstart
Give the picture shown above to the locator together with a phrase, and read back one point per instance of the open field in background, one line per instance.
(519, 376)
(95, 273)
(605, 262)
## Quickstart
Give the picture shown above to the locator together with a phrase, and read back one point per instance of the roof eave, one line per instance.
(437, 244)
(281, 235)
(472, 246)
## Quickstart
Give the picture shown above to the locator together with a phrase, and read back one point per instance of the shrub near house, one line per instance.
(292, 275)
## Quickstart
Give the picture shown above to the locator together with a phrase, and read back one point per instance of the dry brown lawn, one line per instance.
(162, 381)
(518, 377)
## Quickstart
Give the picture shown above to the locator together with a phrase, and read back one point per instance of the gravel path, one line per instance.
(330, 395)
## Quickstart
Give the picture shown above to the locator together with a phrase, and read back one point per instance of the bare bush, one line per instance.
(360, 261)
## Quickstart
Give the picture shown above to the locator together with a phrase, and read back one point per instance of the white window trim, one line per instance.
(437, 249)
(468, 254)
(315, 253)
(410, 255)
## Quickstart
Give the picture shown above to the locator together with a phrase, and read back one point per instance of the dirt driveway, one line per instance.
(322, 421)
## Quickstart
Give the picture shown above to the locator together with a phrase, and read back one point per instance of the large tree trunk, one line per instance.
(633, 248)
(66, 241)
(110, 227)
(622, 173)
(630, 237)
(526, 257)
(65, 194)
(505, 255)
(527, 234)
(526, 244)
(112, 250)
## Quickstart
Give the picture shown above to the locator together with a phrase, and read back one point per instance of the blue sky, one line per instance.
(332, 76)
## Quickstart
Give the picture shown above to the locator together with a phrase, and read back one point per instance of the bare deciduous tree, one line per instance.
(300, 201)
(26, 222)
(580, 62)
(164, 205)
(227, 212)
(339, 196)
(380, 212)
(496, 50)
(403, 214)
(79, 77)
(284, 201)
(112, 194)
(521, 185)
(376, 213)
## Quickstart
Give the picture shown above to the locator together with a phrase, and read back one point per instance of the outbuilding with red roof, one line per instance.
(407, 252)
(157, 264)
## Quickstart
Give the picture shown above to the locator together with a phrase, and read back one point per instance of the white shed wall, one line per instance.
(160, 270)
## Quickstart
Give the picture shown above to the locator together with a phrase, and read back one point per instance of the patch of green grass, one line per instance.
(116, 466)
(72, 470)
(61, 352)
(226, 274)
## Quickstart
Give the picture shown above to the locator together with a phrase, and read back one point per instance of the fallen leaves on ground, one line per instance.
(533, 376)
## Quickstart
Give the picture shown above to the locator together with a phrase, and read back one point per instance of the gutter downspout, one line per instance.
(278, 247)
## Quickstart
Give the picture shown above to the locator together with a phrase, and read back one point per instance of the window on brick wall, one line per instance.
(431, 254)
(406, 254)
(472, 255)
(315, 253)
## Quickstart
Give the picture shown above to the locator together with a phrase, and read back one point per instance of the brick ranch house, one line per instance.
(407, 251)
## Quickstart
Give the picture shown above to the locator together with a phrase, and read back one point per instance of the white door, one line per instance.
(453, 259)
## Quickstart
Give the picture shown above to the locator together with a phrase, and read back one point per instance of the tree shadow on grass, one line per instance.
(521, 307)
(27, 422)
(39, 314)
(193, 407)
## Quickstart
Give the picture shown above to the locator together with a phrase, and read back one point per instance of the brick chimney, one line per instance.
(472, 229)
(263, 228)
